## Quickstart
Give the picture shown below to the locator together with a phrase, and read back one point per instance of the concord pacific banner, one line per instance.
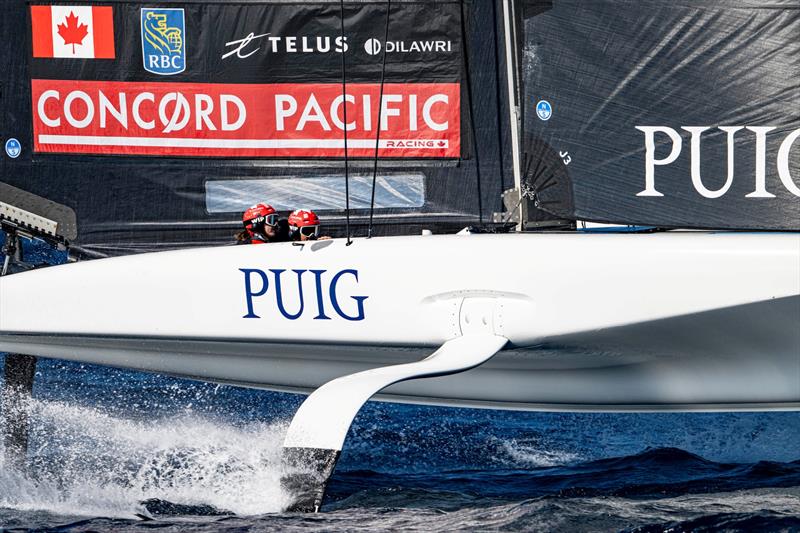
(254, 80)
(417, 120)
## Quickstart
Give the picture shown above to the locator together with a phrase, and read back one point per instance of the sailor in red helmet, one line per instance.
(304, 225)
(262, 224)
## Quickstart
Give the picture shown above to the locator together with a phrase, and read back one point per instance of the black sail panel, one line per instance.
(666, 113)
(160, 123)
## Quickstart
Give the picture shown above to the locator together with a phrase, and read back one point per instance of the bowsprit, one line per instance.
(257, 284)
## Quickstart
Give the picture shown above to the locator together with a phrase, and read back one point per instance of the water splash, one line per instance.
(527, 454)
(88, 463)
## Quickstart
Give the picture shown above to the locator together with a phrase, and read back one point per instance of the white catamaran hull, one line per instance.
(685, 320)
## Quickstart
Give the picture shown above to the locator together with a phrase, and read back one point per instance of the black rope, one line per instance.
(497, 95)
(380, 115)
(465, 47)
(344, 130)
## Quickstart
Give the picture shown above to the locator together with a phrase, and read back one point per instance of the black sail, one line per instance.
(154, 163)
(632, 107)
(629, 111)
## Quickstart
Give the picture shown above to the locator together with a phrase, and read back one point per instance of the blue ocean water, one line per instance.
(120, 450)
(108, 445)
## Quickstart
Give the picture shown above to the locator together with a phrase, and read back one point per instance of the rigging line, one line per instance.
(344, 130)
(473, 131)
(497, 97)
(380, 115)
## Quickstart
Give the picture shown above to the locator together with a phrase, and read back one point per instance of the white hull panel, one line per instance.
(599, 322)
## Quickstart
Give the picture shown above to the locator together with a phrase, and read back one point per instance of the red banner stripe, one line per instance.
(103, 24)
(42, 31)
(245, 120)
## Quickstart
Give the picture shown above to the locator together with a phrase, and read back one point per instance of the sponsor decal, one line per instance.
(308, 44)
(254, 120)
(304, 44)
(374, 47)
(267, 290)
(241, 44)
(13, 148)
(81, 32)
(669, 137)
(163, 40)
(544, 110)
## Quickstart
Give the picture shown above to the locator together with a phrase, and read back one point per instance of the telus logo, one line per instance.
(696, 131)
(257, 284)
(243, 49)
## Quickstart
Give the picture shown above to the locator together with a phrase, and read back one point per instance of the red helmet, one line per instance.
(304, 218)
(259, 215)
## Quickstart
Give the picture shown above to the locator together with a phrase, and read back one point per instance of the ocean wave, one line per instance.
(757, 510)
(532, 454)
(108, 445)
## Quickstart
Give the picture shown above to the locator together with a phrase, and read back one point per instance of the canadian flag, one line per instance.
(73, 31)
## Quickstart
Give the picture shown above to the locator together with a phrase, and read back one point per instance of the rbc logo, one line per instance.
(543, 110)
(163, 41)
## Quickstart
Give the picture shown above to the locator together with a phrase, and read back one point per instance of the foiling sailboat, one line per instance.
(158, 144)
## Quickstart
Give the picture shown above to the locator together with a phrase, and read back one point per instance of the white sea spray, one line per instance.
(89, 463)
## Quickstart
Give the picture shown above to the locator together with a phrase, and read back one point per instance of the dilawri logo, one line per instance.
(163, 40)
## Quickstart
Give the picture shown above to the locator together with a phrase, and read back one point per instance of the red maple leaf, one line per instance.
(72, 32)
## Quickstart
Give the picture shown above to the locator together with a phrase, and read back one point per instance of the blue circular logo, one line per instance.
(544, 110)
(13, 148)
